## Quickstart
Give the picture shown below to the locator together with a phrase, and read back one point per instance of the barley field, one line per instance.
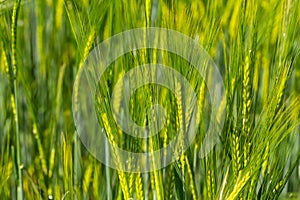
(255, 46)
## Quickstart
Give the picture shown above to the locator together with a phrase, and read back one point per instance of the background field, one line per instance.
(255, 44)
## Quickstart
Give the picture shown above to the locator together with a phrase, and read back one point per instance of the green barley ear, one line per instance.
(148, 8)
(241, 182)
(5, 66)
(191, 179)
(111, 138)
(281, 184)
(88, 46)
(236, 155)
(170, 182)
(87, 178)
(14, 97)
(67, 161)
(139, 190)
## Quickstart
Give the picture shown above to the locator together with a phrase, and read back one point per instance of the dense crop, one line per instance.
(254, 43)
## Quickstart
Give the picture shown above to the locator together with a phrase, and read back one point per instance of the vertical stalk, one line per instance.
(15, 97)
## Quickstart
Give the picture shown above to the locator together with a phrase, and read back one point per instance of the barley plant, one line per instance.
(254, 43)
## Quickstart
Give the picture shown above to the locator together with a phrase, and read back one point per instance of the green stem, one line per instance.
(15, 99)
